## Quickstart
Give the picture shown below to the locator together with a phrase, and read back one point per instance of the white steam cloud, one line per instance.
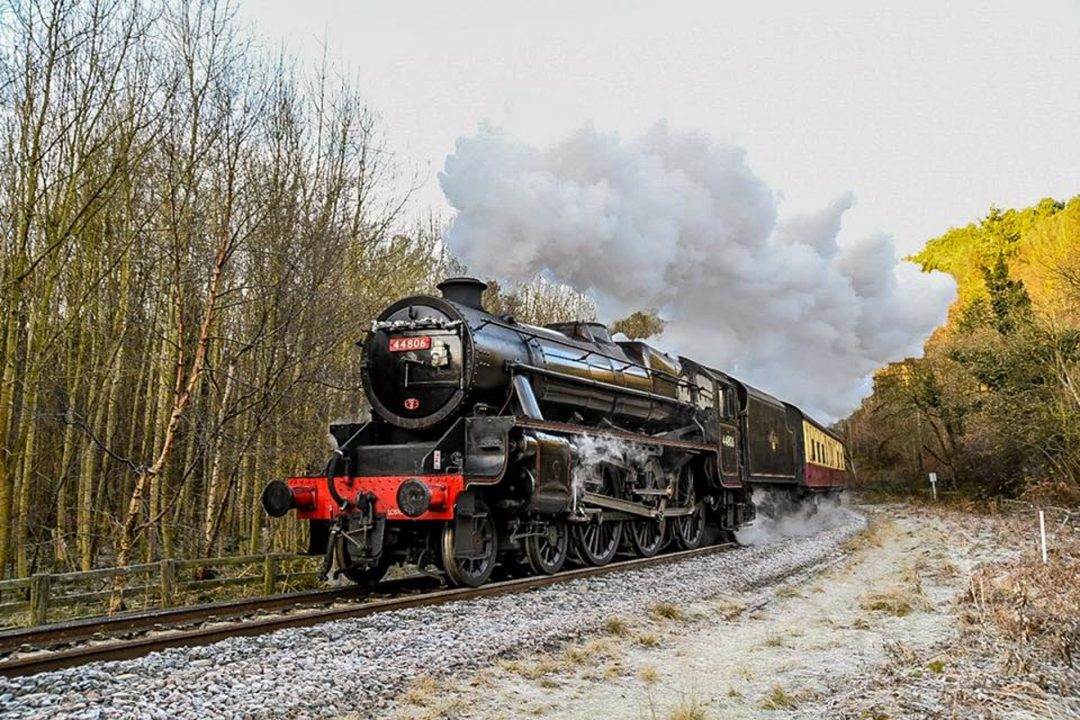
(777, 520)
(675, 222)
(593, 452)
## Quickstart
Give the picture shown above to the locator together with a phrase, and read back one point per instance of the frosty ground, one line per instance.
(920, 613)
(890, 630)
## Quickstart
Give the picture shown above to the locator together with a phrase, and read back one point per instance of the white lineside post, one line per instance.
(933, 485)
(1042, 534)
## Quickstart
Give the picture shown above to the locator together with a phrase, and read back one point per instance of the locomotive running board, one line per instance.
(567, 428)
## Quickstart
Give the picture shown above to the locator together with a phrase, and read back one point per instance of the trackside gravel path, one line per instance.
(884, 632)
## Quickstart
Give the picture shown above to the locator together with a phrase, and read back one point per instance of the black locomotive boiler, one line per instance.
(498, 443)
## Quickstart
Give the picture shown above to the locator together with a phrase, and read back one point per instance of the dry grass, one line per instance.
(774, 641)
(596, 656)
(428, 698)
(615, 670)
(912, 575)
(900, 652)
(648, 640)
(778, 699)
(424, 691)
(616, 626)
(1034, 607)
(871, 536)
(588, 652)
(729, 610)
(936, 567)
(532, 668)
(666, 611)
(649, 674)
(896, 601)
(689, 707)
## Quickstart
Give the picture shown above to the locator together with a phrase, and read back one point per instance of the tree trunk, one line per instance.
(184, 391)
(7, 403)
(74, 366)
(214, 490)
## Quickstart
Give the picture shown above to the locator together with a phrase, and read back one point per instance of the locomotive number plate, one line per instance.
(402, 344)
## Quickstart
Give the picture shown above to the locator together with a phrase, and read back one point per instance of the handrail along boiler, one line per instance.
(495, 443)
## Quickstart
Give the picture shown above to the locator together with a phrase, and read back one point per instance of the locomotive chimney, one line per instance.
(464, 290)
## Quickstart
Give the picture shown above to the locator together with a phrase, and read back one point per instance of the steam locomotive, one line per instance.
(498, 444)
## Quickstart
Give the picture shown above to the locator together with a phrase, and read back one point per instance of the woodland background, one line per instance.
(196, 232)
(195, 235)
(994, 405)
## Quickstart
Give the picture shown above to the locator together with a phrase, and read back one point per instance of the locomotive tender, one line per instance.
(497, 443)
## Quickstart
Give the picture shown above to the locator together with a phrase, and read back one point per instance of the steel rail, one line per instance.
(81, 629)
(138, 647)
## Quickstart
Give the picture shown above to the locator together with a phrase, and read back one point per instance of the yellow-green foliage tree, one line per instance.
(994, 406)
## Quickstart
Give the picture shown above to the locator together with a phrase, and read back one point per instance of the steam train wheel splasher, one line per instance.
(494, 443)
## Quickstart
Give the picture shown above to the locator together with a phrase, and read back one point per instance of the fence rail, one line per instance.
(40, 598)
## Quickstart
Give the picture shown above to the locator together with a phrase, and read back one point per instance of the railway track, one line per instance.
(61, 633)
(63, 645)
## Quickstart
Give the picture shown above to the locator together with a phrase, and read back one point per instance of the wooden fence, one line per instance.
(44, 597)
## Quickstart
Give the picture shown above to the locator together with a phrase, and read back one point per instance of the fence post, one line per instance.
(39, 598)
(1042, 534)
(168, 583)
(269, 574)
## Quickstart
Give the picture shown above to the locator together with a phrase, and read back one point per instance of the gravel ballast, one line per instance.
(359, 666)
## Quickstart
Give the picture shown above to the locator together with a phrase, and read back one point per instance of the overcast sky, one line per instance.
(927, 112)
